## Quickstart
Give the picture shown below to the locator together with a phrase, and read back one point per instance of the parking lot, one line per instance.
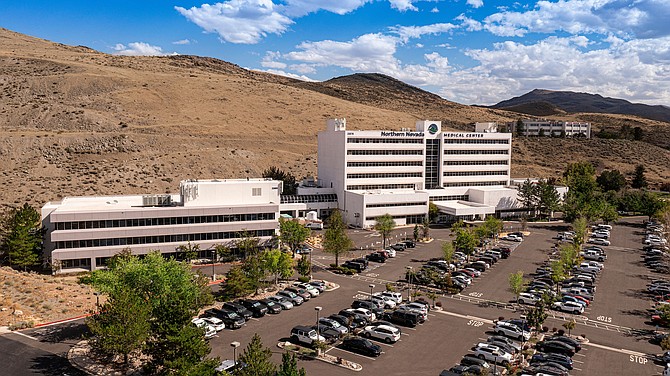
(616, 324)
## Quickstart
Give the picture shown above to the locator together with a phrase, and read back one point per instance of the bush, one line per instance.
(22, 325)
(303, 279)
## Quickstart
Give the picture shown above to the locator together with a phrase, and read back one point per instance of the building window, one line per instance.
(295, 199)
(475, 163)
(475, 173)
(420, 203)
(475, 141)
(474, 183)
(385, 140)
(409, 219)
(384, 152)
(385, 175)
(385, 164)
(256, 191)
(469, 152)
(365, 187)
(451, 198)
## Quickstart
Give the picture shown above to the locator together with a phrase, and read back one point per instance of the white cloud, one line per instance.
(139, 49)
(270, 60)
(403, 5)
(286, 74)
(239, 21)
(475, 3)
(419, 45)
(468, 23)
(182, 41)
(302, 68)
(435, 10)
(407, 32)
(632, 18)
(299, 8)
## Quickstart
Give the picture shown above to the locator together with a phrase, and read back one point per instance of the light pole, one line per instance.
(318, 332)
(213, 272)
(409, 282)
(372, 287)
(235, 345)
(97, 300)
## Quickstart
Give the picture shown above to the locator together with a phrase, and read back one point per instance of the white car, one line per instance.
(593, 255)
(396, 296)
(599, 241)
(510, 330)
(391, 252)
(600, 235)
(313, 291)
(512, 238)
(463, 279)
(603, 226)
(570, 307)
(383, 302)
(476, 272)
(385, 333)
(528, 298)
(216, 323)
(492, 353)
(369, 315)
(209, 330)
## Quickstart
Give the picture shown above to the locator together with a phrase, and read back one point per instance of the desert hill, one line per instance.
(75, 121)
(583, 102)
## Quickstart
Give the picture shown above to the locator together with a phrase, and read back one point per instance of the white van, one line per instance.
(314, 225)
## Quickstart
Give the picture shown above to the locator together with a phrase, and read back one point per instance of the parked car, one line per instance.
(362, 346)
(376, 257)
(404, 318)
(549, 368)
(563, 360)
(313, 291)
(292, 297)
(556, 347)
(358, 267)
(528, 298)
(400, 246)
(570, 307)
(333, 324)
(492, 353)
(395, 296)
(357, 320)
(510, 330)
(369, 305)
(231, 319)
(382, 332)
(305, 334)
(409, 243)
(512, 238)
(599, 241)
(383, 301)
(257, 309)
(237, 308)
(209, 330)
(572, 342)
(304, 294)
(368, 314)
(508, 342)
(271, 305)
(215, 323)
(470, 359)
(283, 301)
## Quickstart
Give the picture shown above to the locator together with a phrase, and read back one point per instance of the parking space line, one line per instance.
(25, 335)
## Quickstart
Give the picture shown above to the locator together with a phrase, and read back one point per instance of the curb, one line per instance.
(346, 364)
(62, 321)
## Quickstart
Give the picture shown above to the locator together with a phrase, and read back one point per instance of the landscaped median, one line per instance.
(313, 354)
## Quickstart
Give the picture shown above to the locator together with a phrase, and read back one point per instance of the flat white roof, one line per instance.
(460, 207)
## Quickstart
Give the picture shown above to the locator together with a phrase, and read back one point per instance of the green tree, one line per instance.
(548, 199)
(304, 266)
(289, 366)
(292, 233)
(173, 294)
(639, 180)
(528, 195)
(537, 314)
(289, 182)
(557, 273)
(122, 325)
(384, 225)
(541, 133)
(569, 325)
(516, 284)
(247, 244)
(611, 180)
(425, 229)
(278, 264)
(433, 211)
(235, 285)
(609, 213)
(520, 128)
(23, 236)
(188, 251)
(257, 358)
(254, 269)
(448, 251)
(416, 232)
(665, 343)
(335, 238)
(651, 204)
(579, 227)
(493, 226)
(224, 253)
(582, 190)
(465, 241)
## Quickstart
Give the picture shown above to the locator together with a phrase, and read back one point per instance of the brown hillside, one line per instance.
(80, 122)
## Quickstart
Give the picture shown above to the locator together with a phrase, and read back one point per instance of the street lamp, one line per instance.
(97, 300)
(371, 286)
(213, 272)
(235, 345)
(409, 281)
(318, 333)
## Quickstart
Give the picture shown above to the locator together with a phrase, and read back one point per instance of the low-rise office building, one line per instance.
(550, 128)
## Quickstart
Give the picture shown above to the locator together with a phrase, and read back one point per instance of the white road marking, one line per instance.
(27, 336)
(622, 351)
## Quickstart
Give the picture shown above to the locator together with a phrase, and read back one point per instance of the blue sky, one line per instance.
(468, 51)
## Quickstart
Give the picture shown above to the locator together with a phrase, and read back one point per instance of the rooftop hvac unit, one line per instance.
(157, 200)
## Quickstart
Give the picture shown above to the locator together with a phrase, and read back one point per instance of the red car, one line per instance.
(658, 320)
(469, 273)
(583, 299)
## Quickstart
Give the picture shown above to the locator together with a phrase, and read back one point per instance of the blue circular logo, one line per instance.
(432, 129)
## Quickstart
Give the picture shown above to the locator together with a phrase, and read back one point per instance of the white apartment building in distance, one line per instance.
(466, 174)
(553, 128)
(84, 232)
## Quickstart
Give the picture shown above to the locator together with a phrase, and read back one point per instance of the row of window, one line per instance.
(382, 175)
(365, 187)
(159, 239)
(474, 163)
(475, 141)
(139, 222)
(475, 173)
(295, 199)
(409, 219)
(385, 164)
(420, 203)
(385, 140)
(385, 152)
(489, 152)
(474, 183)
(451, 198)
